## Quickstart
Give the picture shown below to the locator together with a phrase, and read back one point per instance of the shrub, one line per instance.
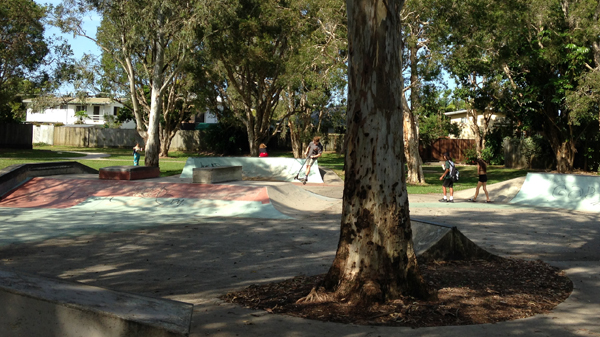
(225, 139)
(470, 155)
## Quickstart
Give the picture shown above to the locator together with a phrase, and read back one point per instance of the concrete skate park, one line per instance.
(157, 253)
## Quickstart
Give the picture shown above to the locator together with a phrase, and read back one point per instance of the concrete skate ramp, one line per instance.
(434, 241)
(280, 169)
(565, 191)
(44, 208)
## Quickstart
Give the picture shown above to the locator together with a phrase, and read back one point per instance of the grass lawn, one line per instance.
(118, 156)
(174, 164)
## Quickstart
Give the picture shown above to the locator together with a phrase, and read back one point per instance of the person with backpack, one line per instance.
(482, 172)
(447, 178)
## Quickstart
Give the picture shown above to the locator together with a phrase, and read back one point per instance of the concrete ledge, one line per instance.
(14, 175)
(129, 172)
(219, 174)
(37, 306)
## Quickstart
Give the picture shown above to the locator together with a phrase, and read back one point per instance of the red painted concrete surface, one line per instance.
(65, 193)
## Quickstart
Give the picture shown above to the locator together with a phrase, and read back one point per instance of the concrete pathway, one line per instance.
(161, 253)
(89, 156)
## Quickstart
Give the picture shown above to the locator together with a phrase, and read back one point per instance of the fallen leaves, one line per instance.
(469, 292)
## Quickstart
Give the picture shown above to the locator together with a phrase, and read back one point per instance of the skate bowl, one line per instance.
(278, 169)
(15, 175)
(563, 191)
(434, 241)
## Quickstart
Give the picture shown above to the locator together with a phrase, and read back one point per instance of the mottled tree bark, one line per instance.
(375, 260)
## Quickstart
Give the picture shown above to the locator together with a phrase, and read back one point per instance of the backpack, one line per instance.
(454, 174)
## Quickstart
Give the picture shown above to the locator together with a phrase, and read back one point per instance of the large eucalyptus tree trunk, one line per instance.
(153, 141)
(375, 260)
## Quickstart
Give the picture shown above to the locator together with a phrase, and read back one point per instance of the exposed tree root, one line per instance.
(317, 295)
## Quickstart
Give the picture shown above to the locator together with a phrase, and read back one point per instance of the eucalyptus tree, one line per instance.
(416, 22)
(535, 59)
(316, 74)
(30, 64)
(254, 46)
(375, 259)
(151, 41)
(583, 18)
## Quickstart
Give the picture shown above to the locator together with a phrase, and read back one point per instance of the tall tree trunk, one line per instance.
(565, 156)
(252, 132)
(375, 260)
(414, 162)
(153, 142)
(473, 116)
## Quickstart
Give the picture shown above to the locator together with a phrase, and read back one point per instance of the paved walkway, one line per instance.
(195, 259)
(89, 156)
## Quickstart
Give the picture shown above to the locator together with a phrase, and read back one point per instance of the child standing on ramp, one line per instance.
(313, 151)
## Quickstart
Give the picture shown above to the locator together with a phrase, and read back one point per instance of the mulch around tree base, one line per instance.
(469, 292)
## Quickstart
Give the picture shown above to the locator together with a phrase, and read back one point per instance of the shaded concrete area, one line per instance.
(197, 259)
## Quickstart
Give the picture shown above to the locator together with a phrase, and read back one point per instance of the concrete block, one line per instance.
(219, 174)
(129, 172)
(37, 306)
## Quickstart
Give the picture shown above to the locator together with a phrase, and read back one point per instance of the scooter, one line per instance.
(303, 180)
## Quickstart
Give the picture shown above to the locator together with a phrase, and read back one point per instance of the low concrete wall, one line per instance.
(14, 175)
(39, 306)
(16, 136)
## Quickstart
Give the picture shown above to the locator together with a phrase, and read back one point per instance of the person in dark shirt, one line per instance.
(313, 151)
(448, 183)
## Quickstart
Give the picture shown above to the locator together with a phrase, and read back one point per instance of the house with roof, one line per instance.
(461, 118)
(96, 109)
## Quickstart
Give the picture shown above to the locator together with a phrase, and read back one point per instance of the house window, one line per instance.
(63, 107)
(80, 108)
(116, 110)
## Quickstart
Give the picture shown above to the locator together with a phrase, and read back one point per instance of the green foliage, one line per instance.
(535, 149)
(493, 152)
(81, 115)
(111, 122)
(470, 155)
(433, 124)
(225, 140)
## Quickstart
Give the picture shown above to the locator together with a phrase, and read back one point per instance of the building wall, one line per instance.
(464, 124)
(67, 116)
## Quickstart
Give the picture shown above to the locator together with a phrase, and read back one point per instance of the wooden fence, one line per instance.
(16, 136)
(455, 147)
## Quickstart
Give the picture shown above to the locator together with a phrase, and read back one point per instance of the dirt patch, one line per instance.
(470, 292)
